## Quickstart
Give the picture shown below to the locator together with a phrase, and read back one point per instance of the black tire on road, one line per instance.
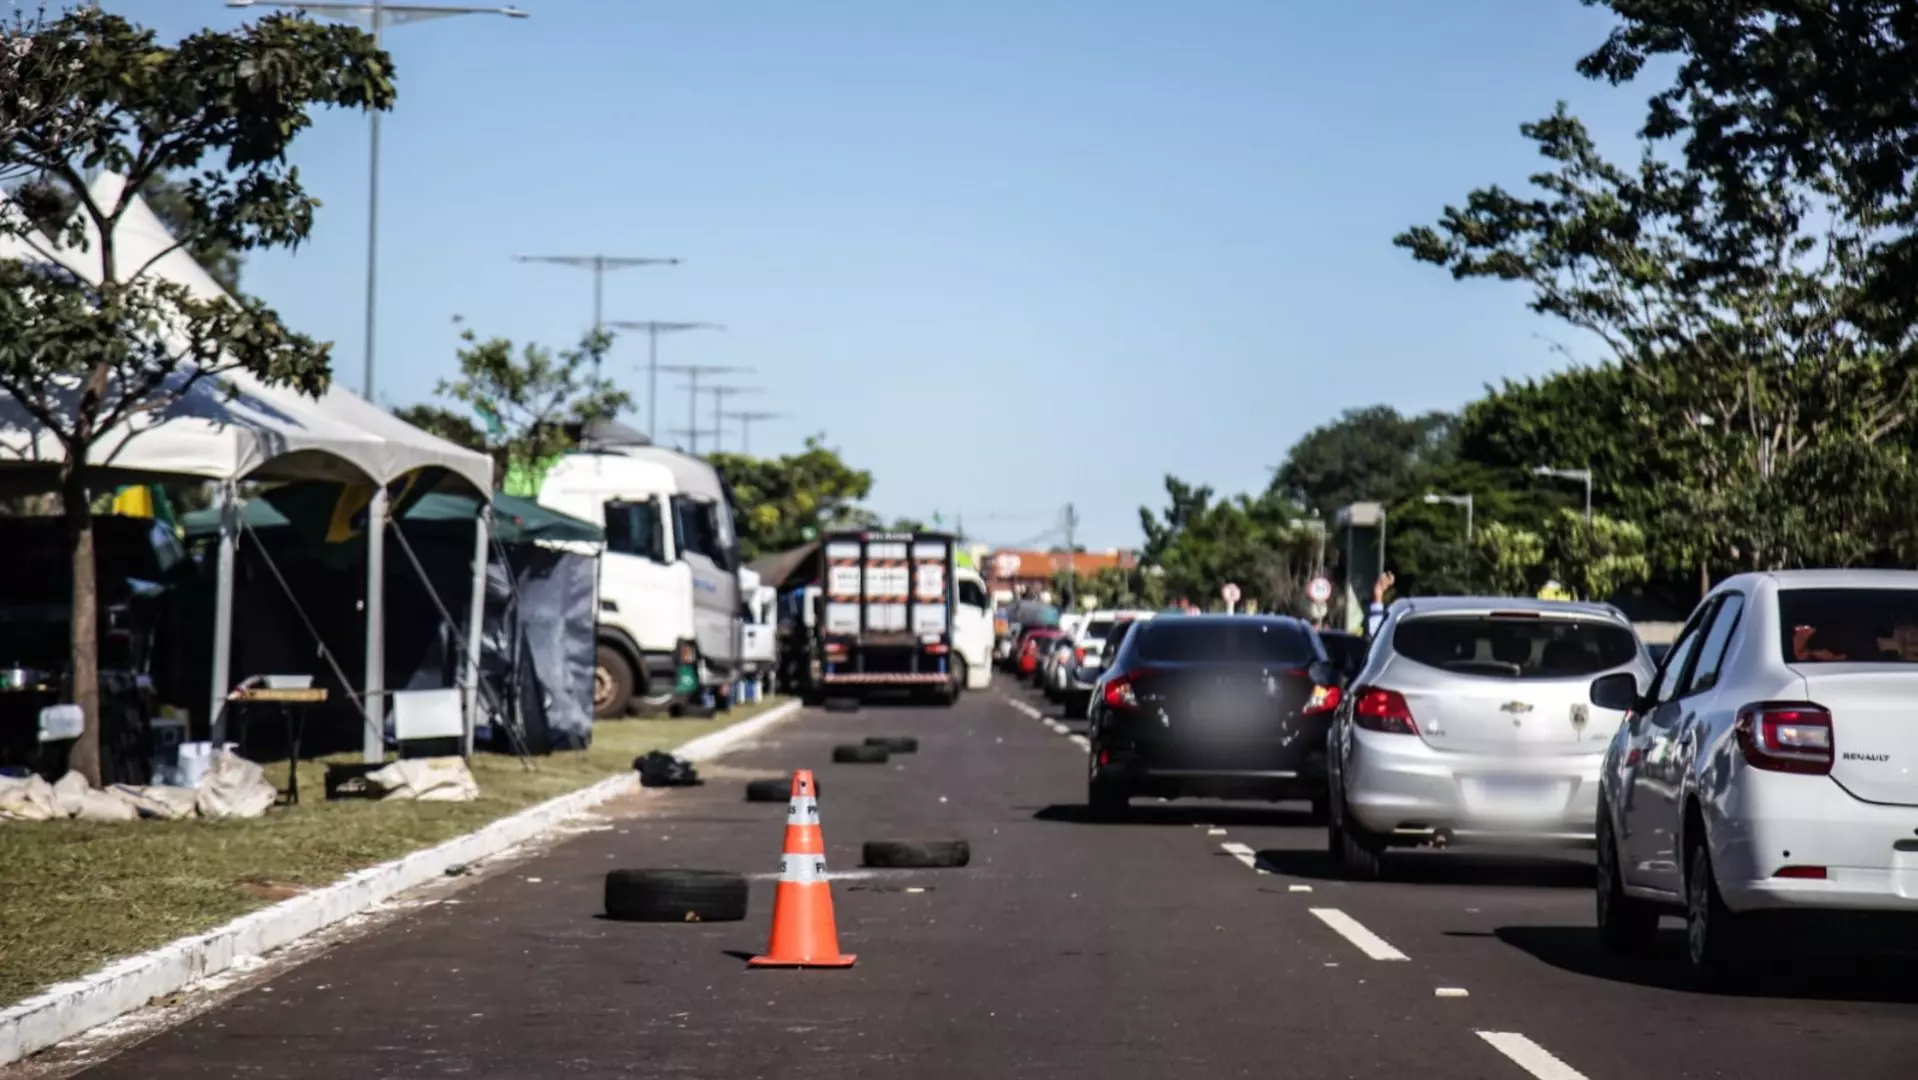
(860, 755)
(898, 744)
(1716, 938)
(915, 854)
(675, 896)
(613, 682)
(1359, 854)
(1626, 924)
(774, 789)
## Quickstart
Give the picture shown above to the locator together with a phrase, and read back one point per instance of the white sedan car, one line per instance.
(1771, 766)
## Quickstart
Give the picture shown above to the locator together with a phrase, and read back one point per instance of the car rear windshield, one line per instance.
(1099, 629)
(1515, 647)
(1229, 641)
(1849, 626)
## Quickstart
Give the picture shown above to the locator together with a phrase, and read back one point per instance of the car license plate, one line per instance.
(1518, 794)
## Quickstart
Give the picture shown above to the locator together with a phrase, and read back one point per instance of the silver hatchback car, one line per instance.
(1472, 721)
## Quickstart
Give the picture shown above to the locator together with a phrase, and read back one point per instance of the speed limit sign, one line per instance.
(1319, 590)
(1230, 593)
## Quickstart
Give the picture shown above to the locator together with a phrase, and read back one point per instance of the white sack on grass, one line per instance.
(106, 806)
(159, 801)
(26, 799)
(234, 787)
(441, 779)
(68, 793)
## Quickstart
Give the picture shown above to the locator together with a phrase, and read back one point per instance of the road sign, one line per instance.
(1231, 593)
(1318, 590)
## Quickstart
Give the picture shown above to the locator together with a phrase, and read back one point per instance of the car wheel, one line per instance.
(1713, 932)
(612, 682)
(1626, 924)
(1359, 854)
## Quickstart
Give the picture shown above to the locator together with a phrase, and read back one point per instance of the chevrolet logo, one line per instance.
(1516, 708)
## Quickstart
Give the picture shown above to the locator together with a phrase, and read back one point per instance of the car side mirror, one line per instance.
(1617, 691)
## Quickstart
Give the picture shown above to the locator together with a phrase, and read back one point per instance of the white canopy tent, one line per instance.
(255, 431)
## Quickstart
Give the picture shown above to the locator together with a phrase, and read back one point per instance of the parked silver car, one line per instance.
(1472, 721)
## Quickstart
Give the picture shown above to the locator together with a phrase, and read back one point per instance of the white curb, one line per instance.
(68, 1009)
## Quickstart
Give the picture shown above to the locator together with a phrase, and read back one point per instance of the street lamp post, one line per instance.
(378, 15)
(1455, 500)
(654, 328)
(720, 394)
(746, 426)
(692, 373)
(598, 264)
(1570, 474)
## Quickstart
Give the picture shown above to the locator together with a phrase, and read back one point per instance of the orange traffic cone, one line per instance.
(804, 934)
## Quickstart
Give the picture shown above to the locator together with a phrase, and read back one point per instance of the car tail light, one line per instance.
(1787, 736)
(1078, 656)
(1324, 698)
(1382, 710)
(1119, 693)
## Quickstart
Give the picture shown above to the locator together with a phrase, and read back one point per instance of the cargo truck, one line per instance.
(887, 615)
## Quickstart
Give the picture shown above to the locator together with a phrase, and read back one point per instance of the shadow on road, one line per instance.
(1220, 814)
(1806, 976)
(1441, 868)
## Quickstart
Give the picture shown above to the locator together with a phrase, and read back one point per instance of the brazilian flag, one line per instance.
(145, 501)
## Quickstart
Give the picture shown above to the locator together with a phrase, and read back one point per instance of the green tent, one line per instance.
(310, 507)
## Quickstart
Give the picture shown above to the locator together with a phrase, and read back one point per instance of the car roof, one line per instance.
(1481, 605)
(1833, 579)
(1238, 620)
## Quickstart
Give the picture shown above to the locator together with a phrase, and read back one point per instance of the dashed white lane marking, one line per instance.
(1215, 832)
(1300, 888)
(1451, 992)
(1245, 855)
(1080, 741)
(1530, 1056)
(1355, 932)
(1025, 708)
(1057, 727)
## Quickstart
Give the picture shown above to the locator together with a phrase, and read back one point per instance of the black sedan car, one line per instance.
(1219, 706)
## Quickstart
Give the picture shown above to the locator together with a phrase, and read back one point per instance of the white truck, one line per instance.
(670, 631)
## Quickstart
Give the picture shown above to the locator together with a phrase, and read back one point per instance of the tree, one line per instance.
(1820, 93)
(50, 207)
(1595, 558)
(787, 501)
(83, 358)
(445, 423)
(1109, 587)
(1264, 545)
(1366, 454)
(1513, 559)
(1735, 355)
(527, 398)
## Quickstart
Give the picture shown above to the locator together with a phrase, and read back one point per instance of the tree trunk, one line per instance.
(1704, 579)
(85, 667)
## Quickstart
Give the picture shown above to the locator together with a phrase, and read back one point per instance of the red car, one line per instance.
(1030, 648)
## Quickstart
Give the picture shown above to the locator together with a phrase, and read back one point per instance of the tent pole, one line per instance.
(476, 620)
(227, 543)
(373, 681)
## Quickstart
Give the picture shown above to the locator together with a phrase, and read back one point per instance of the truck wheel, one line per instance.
(961, 672)
(612, 682)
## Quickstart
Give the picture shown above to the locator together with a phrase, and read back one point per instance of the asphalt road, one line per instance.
(1194, 940)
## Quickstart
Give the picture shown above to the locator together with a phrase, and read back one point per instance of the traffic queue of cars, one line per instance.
(1759, 780)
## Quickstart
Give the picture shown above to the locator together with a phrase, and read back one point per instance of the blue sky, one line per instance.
(1006, 254)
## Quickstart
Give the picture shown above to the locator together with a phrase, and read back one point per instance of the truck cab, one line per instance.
(670, 605)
